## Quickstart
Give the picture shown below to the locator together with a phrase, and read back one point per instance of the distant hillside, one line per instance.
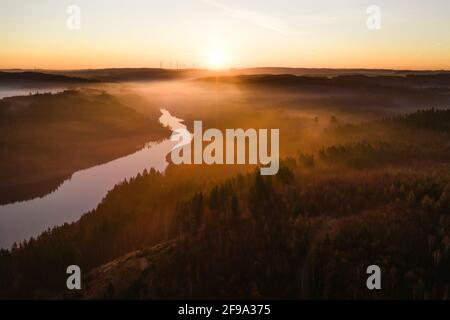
(152, 74)
(134, 74)
(37, 78)
(416, 80)
(327, 72)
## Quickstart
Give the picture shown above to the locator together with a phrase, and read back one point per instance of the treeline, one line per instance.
(415, 138)
(430, 119)
(364, 154)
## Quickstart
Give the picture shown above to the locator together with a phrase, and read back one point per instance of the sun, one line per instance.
(216, 59)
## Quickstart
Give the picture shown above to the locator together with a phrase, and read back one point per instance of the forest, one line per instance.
(308, 232)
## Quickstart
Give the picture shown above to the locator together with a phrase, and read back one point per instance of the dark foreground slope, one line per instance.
(303, 258)
(296, 237)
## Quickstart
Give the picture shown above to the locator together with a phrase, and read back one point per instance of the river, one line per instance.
(82, 192)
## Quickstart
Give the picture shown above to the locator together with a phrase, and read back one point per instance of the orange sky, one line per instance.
(138, 33)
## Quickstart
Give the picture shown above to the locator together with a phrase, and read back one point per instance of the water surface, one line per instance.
(82, 192)
(6, 92)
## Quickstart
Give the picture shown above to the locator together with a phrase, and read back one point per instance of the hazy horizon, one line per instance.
(225, 69)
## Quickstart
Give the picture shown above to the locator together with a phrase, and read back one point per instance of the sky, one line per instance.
(413, 34)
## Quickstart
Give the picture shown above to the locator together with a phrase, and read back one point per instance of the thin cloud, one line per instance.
(259, 19)
(316, 19)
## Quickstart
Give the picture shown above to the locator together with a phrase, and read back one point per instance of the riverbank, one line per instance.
(45, 138)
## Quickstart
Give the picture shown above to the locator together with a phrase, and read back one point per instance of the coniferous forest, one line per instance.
(308, 232)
